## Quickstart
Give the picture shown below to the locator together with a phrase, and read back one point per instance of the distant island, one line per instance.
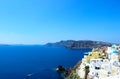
(81, 44)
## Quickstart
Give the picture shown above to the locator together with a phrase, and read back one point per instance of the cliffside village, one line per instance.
(102, 63)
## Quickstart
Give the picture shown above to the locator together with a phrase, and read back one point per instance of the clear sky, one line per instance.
(42, 21)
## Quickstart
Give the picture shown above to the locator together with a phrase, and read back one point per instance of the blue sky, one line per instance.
(42, 21)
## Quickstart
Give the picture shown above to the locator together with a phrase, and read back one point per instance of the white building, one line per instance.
(103, 68)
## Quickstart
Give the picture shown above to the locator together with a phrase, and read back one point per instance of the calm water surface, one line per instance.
(40, 61)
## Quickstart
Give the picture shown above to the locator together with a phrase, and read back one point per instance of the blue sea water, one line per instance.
(40, 61)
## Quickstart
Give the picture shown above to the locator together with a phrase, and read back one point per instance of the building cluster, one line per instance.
(103, 64)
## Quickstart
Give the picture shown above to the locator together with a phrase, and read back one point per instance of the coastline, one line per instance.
(80, 44)
(84, 69)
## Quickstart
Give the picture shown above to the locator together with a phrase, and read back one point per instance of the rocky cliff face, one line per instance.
(82, 44)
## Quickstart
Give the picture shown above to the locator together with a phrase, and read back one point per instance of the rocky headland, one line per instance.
(81, 44)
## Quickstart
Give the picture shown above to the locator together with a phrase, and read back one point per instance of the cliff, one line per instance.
(81, 44)
(102, 63)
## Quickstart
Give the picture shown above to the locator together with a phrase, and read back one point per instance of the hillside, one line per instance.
(81, 44)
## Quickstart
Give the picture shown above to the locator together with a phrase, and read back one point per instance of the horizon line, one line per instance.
(52, 42)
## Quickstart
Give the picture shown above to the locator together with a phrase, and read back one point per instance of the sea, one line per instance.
(37, 61)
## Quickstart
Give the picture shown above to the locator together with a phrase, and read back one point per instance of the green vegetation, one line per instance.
(73, 75)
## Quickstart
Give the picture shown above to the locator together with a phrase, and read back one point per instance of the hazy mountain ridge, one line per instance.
(81, 44)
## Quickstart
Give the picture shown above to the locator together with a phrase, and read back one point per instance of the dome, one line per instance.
(115, 52)
(113, 46)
